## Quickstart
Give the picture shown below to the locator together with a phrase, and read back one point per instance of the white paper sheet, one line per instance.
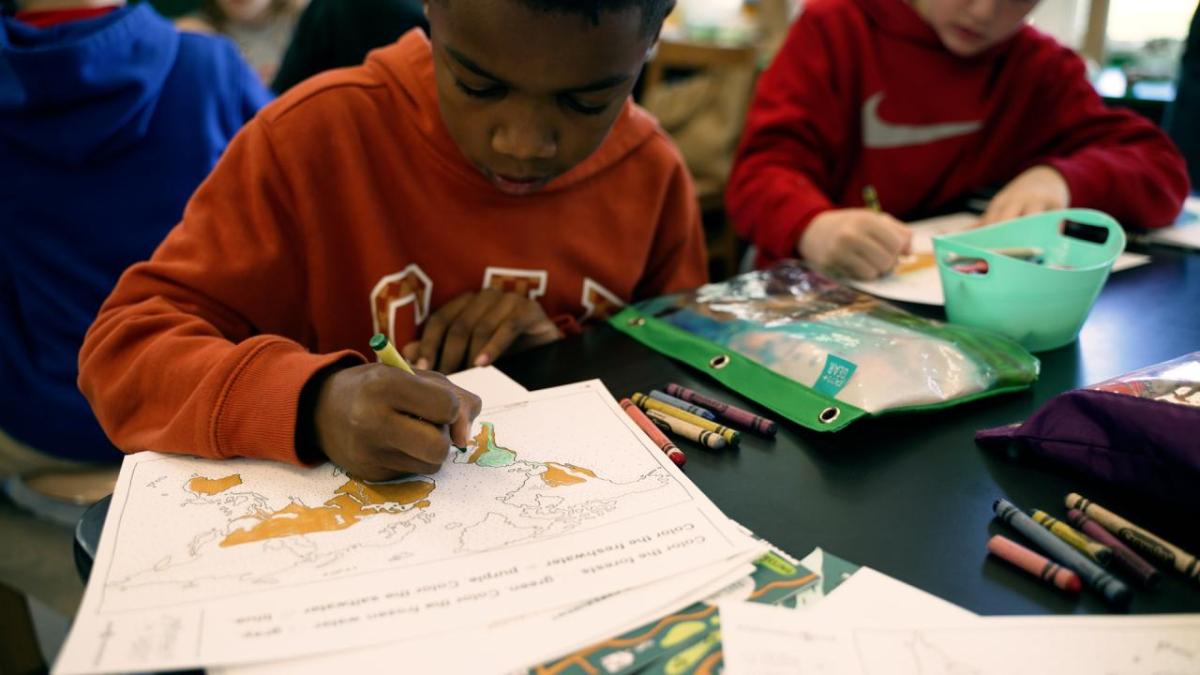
(222, 562)
(512, 646)
(916, 278)
(765, 640)
(1185, 233)
(886, 600)
(491, 385)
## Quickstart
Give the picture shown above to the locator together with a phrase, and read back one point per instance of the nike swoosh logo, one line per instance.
(878, 134)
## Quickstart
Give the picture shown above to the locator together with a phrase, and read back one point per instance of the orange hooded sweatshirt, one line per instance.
(344, 209)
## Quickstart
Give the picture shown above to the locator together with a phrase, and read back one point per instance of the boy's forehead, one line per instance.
(538, 49)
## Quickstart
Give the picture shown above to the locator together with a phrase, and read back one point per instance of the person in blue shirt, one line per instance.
(109, 120)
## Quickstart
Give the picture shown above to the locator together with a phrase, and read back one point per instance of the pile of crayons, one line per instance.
(1103, 546)
(693, 416)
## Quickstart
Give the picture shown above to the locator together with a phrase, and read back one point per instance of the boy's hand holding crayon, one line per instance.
(860, 243)
(1037, 190)
(378, 422)
(474, 329)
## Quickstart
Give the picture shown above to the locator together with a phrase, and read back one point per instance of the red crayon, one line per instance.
(1123, 556)
(639, 418)
(1034, 563)
(742, 418)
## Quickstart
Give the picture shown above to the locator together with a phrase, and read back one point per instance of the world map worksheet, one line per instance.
(556, 499)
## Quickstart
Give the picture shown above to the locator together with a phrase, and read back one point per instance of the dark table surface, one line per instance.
(911, 495)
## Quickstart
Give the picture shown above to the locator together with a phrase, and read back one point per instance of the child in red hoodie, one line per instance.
(929, 100)
(491, 187)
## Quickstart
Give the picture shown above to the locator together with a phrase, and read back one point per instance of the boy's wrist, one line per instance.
(308, 444)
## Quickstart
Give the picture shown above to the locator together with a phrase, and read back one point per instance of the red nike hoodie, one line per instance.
(344, 209)
(863, 92)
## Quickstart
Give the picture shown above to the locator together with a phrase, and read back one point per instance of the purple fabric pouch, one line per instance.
(1138, 432)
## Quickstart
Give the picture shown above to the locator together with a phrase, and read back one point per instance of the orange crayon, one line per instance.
(1034, 563)
(658, 437)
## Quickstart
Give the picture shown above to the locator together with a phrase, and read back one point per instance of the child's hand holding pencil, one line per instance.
(379, 421)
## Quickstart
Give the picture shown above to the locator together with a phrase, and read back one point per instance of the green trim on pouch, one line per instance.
(757, 382)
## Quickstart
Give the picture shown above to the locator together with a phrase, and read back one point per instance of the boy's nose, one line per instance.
(525, 140)
(982, 10)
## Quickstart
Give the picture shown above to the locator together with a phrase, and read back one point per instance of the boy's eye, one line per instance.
(581, 107)
(490, 91)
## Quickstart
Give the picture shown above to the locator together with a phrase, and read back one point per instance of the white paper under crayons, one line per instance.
(558, 500)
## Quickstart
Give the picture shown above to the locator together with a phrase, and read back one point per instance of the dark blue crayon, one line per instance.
(1113, 590)
(696, 410)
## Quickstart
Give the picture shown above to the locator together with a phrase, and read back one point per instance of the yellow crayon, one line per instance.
(646, 403)
(1085, 544)
(1138, 537)
(689, 431)
(387, 353)
(871, 199)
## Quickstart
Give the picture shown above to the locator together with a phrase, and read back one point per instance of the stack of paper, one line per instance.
(874, 624)
(558, 525)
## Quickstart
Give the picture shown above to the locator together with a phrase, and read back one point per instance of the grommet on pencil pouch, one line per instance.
(718, 362)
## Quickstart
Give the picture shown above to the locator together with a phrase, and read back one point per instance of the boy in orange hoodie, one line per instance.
(490, 187)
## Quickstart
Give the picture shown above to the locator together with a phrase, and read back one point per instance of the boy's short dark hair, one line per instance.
(653, 11)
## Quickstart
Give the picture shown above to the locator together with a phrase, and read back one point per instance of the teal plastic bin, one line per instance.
(1042, 303)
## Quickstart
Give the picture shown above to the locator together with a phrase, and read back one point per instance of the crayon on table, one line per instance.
(1123, 556)
(1138, 538)
(387, 353)
(1034, 563)
(670, 449)
(1113, 590)
(1098, 552)
(742, 418)
(646, 403)
(691, 432)
(682, 405)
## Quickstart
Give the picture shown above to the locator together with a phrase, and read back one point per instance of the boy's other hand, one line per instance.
(1039, 189)
(474, 329)
(859, 243)
(378, 422)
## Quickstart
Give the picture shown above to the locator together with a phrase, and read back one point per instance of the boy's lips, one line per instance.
(518, 185)
(969, 34)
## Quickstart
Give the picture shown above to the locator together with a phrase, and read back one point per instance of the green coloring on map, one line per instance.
(494, 456)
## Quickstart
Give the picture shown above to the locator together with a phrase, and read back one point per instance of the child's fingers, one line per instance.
(435, 331)
(506, 334)
(889, 233)
(417, 396)
(460, 429)
(411, 352)
(458, 334)
(856, 266)
(877, 259)
(501, 312)
(404, 443)
(1002, 208)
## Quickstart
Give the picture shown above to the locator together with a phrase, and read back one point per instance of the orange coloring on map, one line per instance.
(213, 486)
